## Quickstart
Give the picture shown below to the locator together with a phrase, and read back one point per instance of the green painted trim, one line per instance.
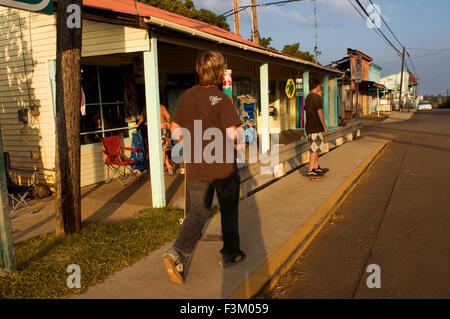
(305, 84)
(326, 99)
(305, 92)
(336, 102)
(153, 116)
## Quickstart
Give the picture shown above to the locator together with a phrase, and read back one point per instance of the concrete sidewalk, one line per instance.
(274, 223)
(397, 116)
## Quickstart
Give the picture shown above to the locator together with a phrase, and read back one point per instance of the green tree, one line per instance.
(186, 8)
(294, 50)
(265, 42)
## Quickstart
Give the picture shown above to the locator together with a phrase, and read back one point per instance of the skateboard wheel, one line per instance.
(181, 220)
(182, 171)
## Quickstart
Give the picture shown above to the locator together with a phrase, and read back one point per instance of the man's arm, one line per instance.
(322, 120)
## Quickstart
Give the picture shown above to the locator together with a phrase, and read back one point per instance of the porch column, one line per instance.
(305, 91)
(154, 128)
(331, 103)
(336, 102)
(52, 74)
(264, 86)
(326, 99)
(305, 84)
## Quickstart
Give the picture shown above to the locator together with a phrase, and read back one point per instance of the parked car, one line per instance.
(425, 105)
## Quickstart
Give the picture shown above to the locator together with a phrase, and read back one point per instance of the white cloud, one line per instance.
(285, 13)
(341, 7)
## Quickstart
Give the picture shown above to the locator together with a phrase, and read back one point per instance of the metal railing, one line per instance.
(292, 156)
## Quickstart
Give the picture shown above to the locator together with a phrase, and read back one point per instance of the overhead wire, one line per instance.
(376, 29)
(277, 3)
(316, 49)
(385, 23)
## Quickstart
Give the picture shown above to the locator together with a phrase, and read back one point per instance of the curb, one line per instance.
(267, 276)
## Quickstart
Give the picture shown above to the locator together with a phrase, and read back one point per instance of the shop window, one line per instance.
(242, 86)
(272, 91)
(177, 84)
(111, 103)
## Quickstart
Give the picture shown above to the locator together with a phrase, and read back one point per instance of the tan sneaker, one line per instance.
(175, 269)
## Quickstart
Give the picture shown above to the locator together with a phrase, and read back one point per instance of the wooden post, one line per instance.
(154, 127)
(7, 258)
(255, 23)
(237, 29)
(400, 101)
(357, 102)
(68, 97)
(378, 102)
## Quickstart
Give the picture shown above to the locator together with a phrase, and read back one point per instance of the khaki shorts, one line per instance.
(316, 142)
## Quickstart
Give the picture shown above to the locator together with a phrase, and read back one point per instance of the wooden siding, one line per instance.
(27, 43)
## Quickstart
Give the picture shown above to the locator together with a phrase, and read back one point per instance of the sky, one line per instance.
(421, 26)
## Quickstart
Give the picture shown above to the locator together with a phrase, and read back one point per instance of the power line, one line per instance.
(375, 29)
(382, 19)
(416, 57)
(384, 36)
(428, 49)
(316, 51)
(278, 3)
(412, 64)
(425, 55)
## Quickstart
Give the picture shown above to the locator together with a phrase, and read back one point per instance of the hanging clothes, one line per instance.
(130, 95)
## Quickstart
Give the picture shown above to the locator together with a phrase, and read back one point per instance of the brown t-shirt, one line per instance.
(215, 110)
(313, 103)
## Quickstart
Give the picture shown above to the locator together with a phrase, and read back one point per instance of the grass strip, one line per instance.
(99, 249)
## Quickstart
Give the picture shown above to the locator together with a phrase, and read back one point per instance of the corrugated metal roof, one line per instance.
(143, 10)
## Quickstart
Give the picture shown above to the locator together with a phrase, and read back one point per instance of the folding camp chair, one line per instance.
(18, 194)
(117, 165)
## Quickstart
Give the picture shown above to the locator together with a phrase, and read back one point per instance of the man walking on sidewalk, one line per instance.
(315, 126)
(201, 108)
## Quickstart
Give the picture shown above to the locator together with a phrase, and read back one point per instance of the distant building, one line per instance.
(369, 88)
(409, 88)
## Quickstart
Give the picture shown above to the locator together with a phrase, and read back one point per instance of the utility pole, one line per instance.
(237, 29)
(68, 100)
(7, 258)
(400, 101)
(255, 23)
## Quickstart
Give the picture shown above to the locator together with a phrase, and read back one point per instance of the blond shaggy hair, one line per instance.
(210, 67)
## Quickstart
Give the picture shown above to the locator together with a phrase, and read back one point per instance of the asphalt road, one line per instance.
(398, 218)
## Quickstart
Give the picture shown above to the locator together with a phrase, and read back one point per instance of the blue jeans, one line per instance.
(199, 199)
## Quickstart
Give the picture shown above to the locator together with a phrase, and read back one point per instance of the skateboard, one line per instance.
(183, 172)
(318, 178)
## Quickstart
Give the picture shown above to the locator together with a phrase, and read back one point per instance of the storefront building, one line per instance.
(128, 66)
